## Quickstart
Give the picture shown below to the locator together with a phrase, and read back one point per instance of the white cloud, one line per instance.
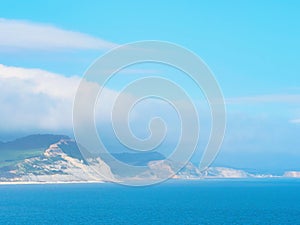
(284, 98)
(40, 100)
(295, 121)
(20, 35)
(35, 99)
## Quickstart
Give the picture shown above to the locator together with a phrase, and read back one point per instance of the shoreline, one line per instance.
(50, 182)
(176, 179)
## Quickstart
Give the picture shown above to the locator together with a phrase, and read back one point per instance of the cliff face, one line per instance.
(62, 162)
(56, 166)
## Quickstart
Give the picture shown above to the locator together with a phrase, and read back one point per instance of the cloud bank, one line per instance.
(35, 99)
(295, 121)
(24, 35)
(284, 98)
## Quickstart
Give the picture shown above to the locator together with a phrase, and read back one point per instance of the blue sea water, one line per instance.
(195, 202)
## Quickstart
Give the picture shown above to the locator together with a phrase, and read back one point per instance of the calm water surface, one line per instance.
(199, 202)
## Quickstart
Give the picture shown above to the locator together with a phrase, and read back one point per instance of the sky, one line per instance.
(252, 48)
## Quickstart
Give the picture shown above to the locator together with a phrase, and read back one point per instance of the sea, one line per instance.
(263, 201)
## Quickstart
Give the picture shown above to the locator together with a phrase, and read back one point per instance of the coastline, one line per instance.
(176, 179)
(50, 182)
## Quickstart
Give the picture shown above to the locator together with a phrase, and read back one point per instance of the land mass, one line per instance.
(57, 159)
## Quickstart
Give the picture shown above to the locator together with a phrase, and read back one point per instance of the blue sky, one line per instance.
(252, 47)
(259, 40)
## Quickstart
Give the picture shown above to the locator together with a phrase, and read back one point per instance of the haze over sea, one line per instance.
(175, 202)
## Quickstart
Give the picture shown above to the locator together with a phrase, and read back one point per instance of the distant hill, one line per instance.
(57, 158)
(137, 159)
(15, 151)
(32, 142)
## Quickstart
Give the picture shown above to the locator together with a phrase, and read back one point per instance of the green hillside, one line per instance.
(17, 150)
